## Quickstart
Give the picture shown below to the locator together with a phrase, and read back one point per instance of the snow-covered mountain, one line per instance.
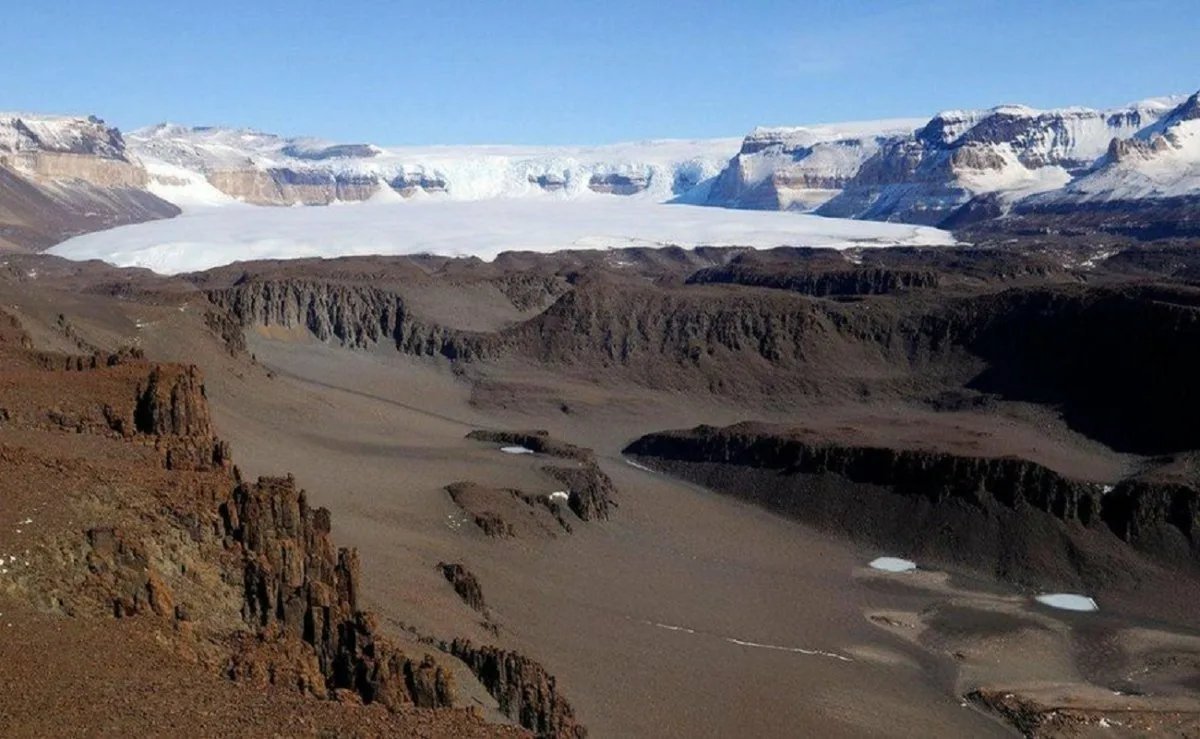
(1005, 153)
(961, 166)
(1133, 169)
(802, 167)
(63, 175)
(196, 166)
(1161, 160)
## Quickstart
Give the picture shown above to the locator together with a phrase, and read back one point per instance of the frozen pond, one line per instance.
(1068, 601)
(893, 564)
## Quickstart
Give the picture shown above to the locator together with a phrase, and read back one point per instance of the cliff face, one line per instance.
(524, 689)
(590, 491)
(1014, 518)
(282, 186)
(146, 520)
(354, 315)
(1114, 357)
(779, 170)
(1119, 362)
(959, 155)
(62, 176)
(299, 587)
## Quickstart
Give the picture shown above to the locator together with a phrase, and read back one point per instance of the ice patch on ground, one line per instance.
(637, 466)
(1068, 601)
(207, 237)
(893, 564)
(515, 450)
(751, 644)
(559, 496)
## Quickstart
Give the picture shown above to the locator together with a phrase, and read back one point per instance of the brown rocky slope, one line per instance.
(132, 510)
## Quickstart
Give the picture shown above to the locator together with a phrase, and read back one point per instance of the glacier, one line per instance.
(206, 237)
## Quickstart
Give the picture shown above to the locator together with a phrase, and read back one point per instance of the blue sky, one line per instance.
(527, 71)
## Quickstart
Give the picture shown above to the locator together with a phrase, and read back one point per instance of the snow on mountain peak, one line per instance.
(60, 133)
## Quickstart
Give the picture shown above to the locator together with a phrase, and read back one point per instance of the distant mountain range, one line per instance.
(1134, 169)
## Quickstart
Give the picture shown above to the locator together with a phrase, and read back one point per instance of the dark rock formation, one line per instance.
(1119, 362)
(1009, 516)
(538, 441)
(355, 315)
(505, 513)
(589, 489)
(846, 280)
(465, 584)
(172, 408)
(408, 183)
(299, 586)
(523, 688)
(619, 184)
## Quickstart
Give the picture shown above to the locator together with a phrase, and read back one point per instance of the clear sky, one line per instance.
(576, 71)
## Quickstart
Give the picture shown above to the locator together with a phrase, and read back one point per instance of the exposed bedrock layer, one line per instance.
(589, 490)
(1008, 516)
(240, 577)
(355, 315)
(281, 186)
(1147, 220)
(1116, 357)
(505, 513)
(465, 584)
(523, 688)
(38, 211)
(65, 176)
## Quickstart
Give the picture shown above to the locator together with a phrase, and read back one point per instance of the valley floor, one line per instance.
(687, 614)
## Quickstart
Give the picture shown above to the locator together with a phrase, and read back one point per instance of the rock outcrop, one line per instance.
(235, 577)
(354, 315)
(523, 688)
(465, 584)
(589, 490)
(506, 513)
(1012, 517)
(172, 408)
(299, 587)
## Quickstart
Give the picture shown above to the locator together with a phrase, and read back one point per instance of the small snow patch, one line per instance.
(637, 466)
(559, 496)
(1068, 602)
(515, 450)
(893, 564)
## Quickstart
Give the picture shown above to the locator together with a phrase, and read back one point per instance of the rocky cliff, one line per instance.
(1146, 186)
(590, 491)
(1109, 349)
(140, 516)
(968, 166)
(959, 155)
(354, 315)
(1010, 517)
(61, 176)
(800, 168)
(524, 689)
